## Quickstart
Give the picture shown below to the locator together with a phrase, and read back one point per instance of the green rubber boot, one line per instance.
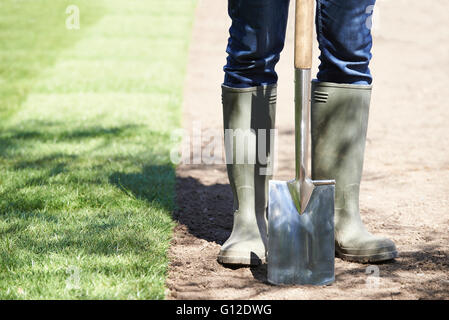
(339, 120)
(246, 111)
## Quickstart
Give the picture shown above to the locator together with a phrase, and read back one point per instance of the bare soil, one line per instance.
(405, 193)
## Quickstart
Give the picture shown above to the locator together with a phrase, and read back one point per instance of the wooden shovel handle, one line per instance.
(304, 33)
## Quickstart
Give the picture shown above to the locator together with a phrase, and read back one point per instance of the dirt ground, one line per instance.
(405, 193)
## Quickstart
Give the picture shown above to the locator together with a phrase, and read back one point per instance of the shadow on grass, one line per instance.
(154, 184)
(59, 204)
(54, 132)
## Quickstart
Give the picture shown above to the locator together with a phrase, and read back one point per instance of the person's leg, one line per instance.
(249, 101)
(344, 40)
(339, 121)
(256, 39)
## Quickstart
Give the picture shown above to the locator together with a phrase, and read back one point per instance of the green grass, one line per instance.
(86, 184)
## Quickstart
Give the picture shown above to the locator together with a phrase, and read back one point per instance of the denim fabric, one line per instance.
(257, 36)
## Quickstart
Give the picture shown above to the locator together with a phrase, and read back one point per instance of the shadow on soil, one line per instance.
(205, 210)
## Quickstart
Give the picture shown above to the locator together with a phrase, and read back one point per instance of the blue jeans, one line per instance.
(257, 36)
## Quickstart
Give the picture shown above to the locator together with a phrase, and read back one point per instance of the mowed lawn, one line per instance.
(86, 182)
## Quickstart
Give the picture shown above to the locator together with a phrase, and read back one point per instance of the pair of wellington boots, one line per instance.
(339, 119)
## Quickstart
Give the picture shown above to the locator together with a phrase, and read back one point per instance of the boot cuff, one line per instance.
(342, 85)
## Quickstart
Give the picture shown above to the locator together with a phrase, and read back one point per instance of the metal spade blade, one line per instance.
(301, 247)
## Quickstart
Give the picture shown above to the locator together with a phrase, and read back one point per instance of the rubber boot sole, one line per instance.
(366, 258)
(240, 259)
